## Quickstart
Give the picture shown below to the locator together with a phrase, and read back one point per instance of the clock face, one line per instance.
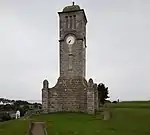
(70, 40)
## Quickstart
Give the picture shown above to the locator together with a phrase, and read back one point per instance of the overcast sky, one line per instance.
(118, 46)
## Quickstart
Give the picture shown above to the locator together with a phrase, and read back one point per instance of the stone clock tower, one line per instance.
(72, 42)
(72, 92)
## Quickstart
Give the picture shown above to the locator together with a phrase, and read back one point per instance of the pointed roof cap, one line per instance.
(73, 7)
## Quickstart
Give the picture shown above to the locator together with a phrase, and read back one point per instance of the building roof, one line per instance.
(71, 8)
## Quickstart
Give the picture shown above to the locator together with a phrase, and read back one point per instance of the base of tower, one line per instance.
(69, 95)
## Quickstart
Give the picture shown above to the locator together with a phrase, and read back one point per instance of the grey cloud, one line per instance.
(117, 54)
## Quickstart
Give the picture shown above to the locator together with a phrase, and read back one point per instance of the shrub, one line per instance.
(5, 117)
(115, 102)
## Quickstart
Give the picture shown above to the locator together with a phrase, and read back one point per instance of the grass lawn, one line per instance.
(125, 121)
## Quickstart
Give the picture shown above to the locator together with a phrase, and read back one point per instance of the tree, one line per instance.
(26, 108)
(102, 93)
(35, 105)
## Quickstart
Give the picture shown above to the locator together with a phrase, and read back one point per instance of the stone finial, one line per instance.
(45, 84)
(90, 82)
(95, 86)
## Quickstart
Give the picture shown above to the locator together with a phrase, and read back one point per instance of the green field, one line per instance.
(128, 119)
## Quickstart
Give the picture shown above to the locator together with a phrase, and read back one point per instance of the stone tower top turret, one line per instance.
(45, 84)
(73, 7)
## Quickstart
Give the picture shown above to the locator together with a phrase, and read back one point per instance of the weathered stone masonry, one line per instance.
(72, 92)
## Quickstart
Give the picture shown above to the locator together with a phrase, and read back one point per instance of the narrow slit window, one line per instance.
(70, 21)
(74, 21)
(66, 21)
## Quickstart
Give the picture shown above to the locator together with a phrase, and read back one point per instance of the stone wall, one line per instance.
(77, 59)
(66, 95)
(96, 97)
(45, 96)
(71, 95)
(90, 98)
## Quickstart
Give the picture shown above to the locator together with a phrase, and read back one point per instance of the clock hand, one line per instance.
(69, 41)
